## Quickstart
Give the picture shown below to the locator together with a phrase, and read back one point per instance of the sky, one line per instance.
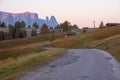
(80, 12)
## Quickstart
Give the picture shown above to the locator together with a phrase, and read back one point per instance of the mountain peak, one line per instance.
(28, 17)
(52, 16)
(53, 21)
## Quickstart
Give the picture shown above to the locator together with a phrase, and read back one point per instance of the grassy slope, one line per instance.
(20, 47)
(20, 51)
(111, 44)
(25, 41)
(20, 55)
(96, 39)
(13, 67)
(83, 40)
(101, 39)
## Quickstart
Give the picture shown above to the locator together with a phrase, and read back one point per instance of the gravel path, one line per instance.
(78, 64)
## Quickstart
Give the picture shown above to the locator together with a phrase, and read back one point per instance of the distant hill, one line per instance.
(28, 17)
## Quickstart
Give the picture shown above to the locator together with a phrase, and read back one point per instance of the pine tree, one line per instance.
(2, 36)
(101, 25)
(23, 25)
(24, 33)
(33, 33)
(3, 24)
(17, 30)
(17, 33)
(44, 29)
(35, 25)
(75, 26)
(17, 25)
(11, 30)
(66, 26)
(0, 23)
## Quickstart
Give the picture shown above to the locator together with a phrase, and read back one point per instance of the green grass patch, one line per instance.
(21, 51)
(14, 66)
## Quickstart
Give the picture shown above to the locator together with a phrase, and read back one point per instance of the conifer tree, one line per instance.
(11, 30)
(3, 24)
(35, 25)
(23, 25)
(33, 33)
(101, 25)
(44, 29)
(66, 26)
(2, 37)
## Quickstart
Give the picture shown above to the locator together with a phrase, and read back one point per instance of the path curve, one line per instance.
(78, 64)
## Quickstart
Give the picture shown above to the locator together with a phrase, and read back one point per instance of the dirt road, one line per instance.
(78, 64)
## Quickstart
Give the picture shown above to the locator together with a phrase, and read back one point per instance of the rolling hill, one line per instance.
(106, 39)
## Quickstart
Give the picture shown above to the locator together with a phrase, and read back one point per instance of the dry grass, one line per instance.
(104, 33)
(111, 44)
(72, 42)
(106, 39)
(25, 41)
(20, 55)
(12, 67)
(84, 40)
(20, 51)
(20, 47)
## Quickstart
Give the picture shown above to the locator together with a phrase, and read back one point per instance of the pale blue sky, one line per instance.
(80, 12)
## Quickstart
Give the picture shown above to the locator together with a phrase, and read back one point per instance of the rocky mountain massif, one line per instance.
(29, 18)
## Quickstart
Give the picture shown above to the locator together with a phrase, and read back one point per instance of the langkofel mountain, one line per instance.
(29, 18)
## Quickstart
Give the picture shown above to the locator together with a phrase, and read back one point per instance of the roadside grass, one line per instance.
(21, 51)
(24, 41)
(111, 44)
(12, 67)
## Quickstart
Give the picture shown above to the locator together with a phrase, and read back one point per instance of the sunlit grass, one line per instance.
(84, 40)
(107, 39)
(20, 51)
(13, 66)
(111, 44)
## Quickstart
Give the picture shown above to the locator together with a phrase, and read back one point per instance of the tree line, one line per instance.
(18, 30)
(14, 31)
